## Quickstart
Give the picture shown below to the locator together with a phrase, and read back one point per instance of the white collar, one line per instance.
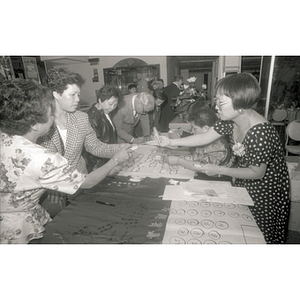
(176, 84)
(133, 106)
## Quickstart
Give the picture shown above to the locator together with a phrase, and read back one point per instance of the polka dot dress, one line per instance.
(271, 193)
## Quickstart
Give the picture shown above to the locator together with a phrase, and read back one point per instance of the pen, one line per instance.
(105, 203)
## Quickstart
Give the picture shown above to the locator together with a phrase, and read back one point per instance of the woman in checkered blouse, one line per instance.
(71, 130)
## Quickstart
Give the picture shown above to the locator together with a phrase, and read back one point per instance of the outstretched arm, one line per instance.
(182, 162)
(99, 174)
(252, 172)
(194, 140)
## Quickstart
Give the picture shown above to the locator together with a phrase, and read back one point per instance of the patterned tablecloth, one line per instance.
(137, 215)
(202, 222)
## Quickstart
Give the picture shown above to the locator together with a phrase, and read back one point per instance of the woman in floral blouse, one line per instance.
(261, 169)
(28, 169)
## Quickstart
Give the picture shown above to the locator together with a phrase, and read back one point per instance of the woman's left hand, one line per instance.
(208, 169)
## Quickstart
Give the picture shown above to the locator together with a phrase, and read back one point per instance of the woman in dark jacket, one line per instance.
(99, 116)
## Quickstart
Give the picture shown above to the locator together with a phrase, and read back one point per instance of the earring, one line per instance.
(34, 128)
(240, 111)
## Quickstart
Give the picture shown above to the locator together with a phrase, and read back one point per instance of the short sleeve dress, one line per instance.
(270, 194)
(27, 170)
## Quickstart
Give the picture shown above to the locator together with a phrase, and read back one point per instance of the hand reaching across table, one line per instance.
(208, 169)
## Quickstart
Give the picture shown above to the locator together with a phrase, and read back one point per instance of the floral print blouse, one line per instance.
(27, 169)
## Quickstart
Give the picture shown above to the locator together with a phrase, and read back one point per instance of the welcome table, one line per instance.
(129, 209)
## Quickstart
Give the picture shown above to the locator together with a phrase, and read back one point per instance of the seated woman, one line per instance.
(28, 169)
(71, 128)
(218, 152)
(99, 114)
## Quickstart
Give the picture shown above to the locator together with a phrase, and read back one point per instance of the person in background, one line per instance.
(154, 116)
(160, 83)
(28, 169)
(132, 111)
(132, 88)
(99, 114)
(167, 112)
(202, 118)
(71, 129)
(261, 168)
(155, 84)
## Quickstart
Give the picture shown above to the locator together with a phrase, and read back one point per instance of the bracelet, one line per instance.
(220, 170)
(116, 160)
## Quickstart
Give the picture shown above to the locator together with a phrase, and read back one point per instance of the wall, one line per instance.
(173, 68)
(88, 91)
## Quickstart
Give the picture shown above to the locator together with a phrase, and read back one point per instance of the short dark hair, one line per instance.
(160, 94)
(23, 103)
(178, 77)
(108, 91)
(132, 85)
(242, 88)
(161, 80)
(58, 79)
(201, 115)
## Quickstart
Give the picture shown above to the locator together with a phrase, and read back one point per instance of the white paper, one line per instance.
(203, 222)
(237, 196)
(202, 188)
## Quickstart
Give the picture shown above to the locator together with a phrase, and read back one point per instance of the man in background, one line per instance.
(167, 110)
(131, 112)
(132, 88)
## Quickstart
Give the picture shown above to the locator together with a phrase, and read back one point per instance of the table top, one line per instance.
(135, 213)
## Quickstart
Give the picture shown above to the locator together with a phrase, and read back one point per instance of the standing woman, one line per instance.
(262, 169)
(99, 114)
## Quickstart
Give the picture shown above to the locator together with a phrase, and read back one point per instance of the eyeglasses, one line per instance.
(218, 103)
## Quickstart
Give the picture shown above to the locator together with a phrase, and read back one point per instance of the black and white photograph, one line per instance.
(150, 150)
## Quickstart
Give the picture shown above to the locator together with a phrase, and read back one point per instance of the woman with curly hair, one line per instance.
(71, 130)
(28, 169)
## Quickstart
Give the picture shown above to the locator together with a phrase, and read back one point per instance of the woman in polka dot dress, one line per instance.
(261, 168)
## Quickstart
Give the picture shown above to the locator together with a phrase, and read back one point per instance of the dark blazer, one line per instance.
(79, 134)
(125, 122)
(167, 113)
(105, 132)
(154, 118)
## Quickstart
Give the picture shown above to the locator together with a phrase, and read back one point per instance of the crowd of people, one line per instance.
(50, 150)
